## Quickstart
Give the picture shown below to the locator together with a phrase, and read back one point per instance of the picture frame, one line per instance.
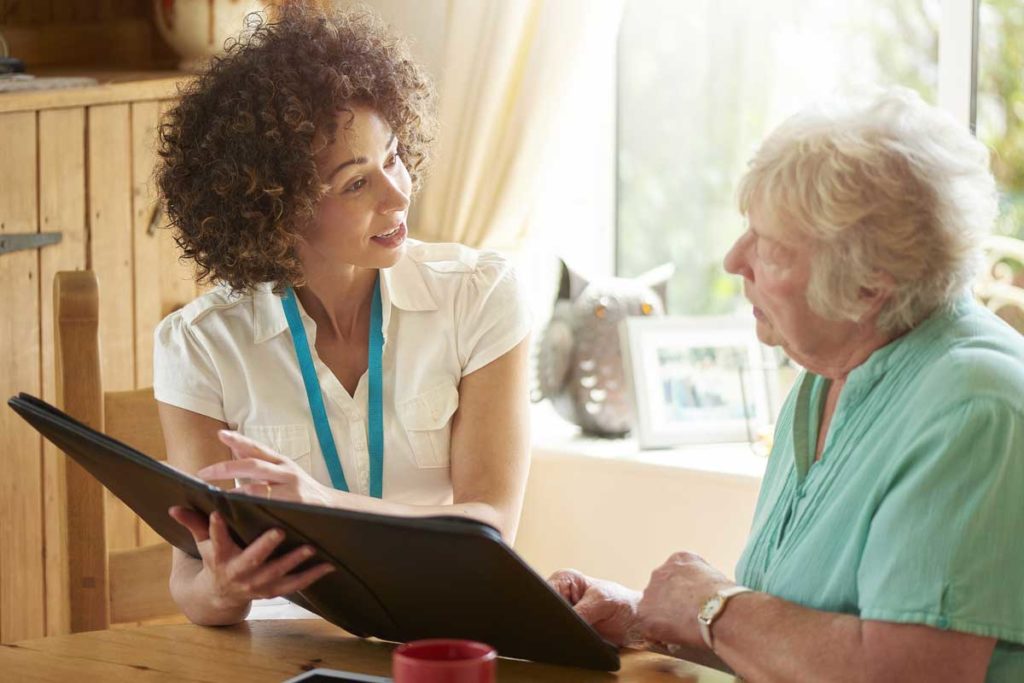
(698, 380)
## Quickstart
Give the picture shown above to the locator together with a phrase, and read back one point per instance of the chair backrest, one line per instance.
(103, 587)
(1001, 284)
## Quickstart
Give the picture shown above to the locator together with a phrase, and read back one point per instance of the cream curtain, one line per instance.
(505, 64)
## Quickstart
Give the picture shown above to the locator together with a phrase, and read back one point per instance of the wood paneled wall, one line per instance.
(86, 172)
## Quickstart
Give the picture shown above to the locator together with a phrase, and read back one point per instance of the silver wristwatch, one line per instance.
(713, 609)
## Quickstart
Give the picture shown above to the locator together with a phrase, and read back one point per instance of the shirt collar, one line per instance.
(903, 349)
(405, 287)
(899, 355)
(402, 286)
(267, 315)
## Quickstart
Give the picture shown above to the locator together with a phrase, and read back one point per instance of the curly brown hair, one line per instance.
(238, 176)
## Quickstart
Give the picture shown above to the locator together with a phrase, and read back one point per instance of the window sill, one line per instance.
(556, 439)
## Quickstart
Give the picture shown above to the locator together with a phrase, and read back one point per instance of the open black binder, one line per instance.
(397, 578)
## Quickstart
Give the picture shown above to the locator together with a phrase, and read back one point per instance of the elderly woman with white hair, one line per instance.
(888, 539)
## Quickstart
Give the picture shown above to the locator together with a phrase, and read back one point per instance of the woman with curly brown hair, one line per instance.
(337, 362)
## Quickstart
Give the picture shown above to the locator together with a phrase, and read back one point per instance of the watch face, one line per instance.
(711, 608)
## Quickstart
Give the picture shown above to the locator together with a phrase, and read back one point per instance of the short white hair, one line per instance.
(891, 185)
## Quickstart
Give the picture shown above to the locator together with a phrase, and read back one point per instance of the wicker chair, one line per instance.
(1001, 285)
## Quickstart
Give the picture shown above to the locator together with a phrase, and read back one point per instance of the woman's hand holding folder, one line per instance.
(233, 577)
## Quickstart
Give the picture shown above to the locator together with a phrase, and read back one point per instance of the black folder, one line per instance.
(396, 578)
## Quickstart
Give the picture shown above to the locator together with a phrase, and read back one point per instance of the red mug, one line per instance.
(444, 660)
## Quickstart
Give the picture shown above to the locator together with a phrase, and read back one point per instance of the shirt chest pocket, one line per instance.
(291, 441)
(427, 422)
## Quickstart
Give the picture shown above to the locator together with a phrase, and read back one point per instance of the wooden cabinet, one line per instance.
(79, 162)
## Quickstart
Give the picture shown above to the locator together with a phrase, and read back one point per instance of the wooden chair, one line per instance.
(1001, 285)
(103, 587)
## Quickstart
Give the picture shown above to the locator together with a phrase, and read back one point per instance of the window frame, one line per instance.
(958, 60)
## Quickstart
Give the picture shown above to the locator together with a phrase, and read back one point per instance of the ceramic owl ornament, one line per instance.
(579, 361)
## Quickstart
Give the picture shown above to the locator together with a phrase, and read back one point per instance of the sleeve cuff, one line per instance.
(491, 353)
(986, 630)
(196, 405)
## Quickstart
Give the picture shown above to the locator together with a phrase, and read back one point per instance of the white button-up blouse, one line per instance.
(447, 311)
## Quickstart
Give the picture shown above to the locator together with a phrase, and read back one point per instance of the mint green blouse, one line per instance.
(915, 511)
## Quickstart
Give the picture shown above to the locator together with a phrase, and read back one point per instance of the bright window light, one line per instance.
(702, 82)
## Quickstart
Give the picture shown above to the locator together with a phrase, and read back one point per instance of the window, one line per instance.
(701, 82)
(697, 86)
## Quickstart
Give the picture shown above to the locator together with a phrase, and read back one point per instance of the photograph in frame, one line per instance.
(698, 380)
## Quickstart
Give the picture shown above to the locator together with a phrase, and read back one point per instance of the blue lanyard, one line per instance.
(315, 396)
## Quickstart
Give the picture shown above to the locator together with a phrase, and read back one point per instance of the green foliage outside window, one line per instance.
(1001, 104)
(908, 53)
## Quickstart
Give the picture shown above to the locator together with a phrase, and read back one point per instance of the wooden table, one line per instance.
(273, 651)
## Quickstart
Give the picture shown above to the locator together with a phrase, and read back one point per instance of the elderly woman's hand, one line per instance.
(269, 474)
(605, 605)
(678, 589)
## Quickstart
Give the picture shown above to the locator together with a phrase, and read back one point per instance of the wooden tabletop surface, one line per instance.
(273, 651)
